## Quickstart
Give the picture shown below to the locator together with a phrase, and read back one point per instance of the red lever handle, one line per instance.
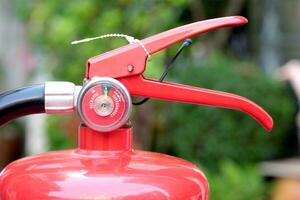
(115, 62)
(167, 38)
(139, 86)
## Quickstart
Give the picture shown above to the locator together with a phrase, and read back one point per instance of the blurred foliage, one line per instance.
(208, 135)
(62, 131)
(237, 182)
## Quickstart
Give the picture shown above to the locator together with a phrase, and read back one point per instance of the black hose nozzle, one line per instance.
(22, 101)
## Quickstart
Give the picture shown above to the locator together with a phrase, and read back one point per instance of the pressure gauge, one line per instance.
(104, 104)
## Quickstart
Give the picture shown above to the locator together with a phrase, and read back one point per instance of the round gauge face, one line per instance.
(104, 104)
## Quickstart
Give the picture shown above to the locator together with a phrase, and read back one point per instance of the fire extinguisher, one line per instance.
(104, 166)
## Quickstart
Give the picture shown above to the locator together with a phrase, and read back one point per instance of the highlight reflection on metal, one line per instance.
(60, 96)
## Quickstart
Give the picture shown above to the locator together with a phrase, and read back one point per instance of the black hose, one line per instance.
(22, 101)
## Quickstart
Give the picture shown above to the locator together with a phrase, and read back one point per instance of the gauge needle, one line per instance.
(106, 90)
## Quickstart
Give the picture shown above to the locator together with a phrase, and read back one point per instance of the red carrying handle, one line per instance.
(194, 95)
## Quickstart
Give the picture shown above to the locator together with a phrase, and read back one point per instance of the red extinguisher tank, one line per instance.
(102, 170)
(104, 166)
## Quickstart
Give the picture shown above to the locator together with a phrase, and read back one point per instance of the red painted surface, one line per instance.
(118, 140)
(114, 64)
(104, 171)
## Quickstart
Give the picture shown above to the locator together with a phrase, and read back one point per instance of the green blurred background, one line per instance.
(226, 144)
